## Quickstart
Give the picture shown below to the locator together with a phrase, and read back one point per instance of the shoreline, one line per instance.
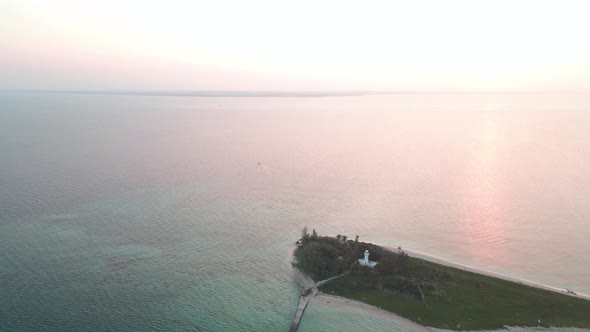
(472, 269)
(334, 301)
(343, 303)
(302, 279)
(349, 304)
(464, 267)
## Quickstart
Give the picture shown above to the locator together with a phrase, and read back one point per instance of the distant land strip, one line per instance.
(236, 93)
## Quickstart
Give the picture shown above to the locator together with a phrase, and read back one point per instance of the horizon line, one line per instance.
(276, 93)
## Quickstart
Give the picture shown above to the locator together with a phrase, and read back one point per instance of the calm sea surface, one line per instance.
(144, 213)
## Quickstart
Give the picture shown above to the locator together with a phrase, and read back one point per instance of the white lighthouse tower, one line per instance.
(365, 261)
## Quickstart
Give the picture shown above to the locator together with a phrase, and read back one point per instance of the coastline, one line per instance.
(347, 304)
(498, 275)
(442, 261)
(302, 279)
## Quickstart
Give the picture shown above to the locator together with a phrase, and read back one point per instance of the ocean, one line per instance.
(167, 213)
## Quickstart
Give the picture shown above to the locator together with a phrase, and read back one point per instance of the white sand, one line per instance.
(352, 305)
(322, 299)
(483, 272)
(303, 279)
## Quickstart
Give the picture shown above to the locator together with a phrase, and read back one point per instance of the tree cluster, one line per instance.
(394, 264)
(323, 257)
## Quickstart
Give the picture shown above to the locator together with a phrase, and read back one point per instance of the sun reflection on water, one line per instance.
(484, 221)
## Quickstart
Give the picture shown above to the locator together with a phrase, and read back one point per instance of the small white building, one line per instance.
(365, 261)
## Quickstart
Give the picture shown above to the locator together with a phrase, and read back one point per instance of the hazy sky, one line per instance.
(295, 45)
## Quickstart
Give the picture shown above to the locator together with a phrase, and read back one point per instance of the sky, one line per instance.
(295, 45)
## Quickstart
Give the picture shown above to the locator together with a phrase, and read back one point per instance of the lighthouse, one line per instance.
(365, 261)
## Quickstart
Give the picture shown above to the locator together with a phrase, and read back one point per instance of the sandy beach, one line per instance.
(351, 305)
(366, 309)
(483, 272)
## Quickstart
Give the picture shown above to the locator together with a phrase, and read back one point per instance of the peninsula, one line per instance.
(429, 293)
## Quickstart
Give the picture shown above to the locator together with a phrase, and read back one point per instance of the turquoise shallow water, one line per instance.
(114, 264)
(131, 213)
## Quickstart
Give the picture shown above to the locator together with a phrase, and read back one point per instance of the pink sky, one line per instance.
(303, 45)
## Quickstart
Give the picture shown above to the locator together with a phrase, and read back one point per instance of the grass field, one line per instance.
(463, 300)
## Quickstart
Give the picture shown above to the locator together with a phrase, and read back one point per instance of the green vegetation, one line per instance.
(322, 257)
(433, 294)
